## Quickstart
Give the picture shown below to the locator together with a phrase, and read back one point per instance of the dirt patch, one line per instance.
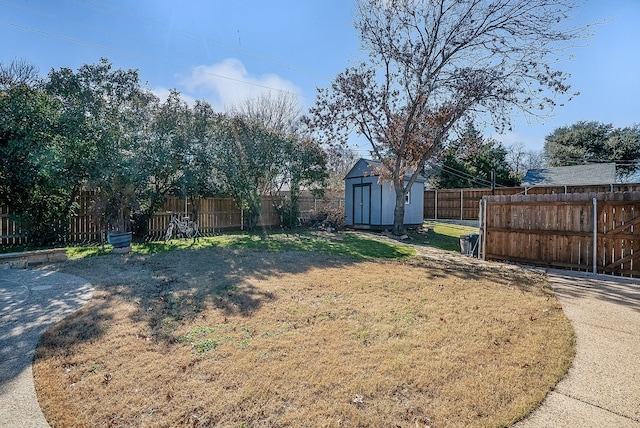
(219, 337)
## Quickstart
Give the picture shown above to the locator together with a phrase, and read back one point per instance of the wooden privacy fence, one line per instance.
(462, 204)
(213, 215)
(216, 215)
(595, 232)
(82, 228)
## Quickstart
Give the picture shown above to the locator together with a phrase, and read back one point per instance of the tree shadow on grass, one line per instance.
(86, 325)
(576, 285)
(170, 288)
(609, 289)
(42, 307)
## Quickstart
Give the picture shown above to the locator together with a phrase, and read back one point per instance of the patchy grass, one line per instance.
(343, 244)
(246, 336)
(445, 236)
(82, 251)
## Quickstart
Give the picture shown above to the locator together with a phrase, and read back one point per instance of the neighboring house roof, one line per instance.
(363, 168)
(600, 173)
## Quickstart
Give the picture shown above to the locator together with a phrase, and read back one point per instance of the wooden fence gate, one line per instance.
(596, 232)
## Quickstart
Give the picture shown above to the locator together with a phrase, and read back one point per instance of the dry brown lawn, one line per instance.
(244, 338)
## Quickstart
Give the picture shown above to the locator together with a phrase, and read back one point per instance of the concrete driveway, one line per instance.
(602, 388)
(30, 302)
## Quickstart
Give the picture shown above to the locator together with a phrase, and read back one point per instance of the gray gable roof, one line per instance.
(362, 169)
(601, 173)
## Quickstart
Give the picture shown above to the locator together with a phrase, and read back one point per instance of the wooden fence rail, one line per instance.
(595, 232)
(214, 215)
(462, 204)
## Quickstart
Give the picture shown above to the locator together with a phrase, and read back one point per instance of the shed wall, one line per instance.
(414, 212)
(383, 200)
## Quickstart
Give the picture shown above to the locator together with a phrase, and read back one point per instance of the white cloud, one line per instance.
(229, 82)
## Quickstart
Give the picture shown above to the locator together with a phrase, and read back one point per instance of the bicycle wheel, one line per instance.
(191, 231)
(169, 233)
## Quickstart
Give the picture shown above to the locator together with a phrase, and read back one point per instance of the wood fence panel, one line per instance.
(311, 206)
(430, 197)
(10, 234)
(470, 202)
(557, 230)
(447, 203)
(82, 227)
(269, 216)
(620, 236)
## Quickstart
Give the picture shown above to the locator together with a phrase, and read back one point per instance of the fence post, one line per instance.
(595, 235)
(435, 205)
(484, 239)
(481, 227)
(461, 203)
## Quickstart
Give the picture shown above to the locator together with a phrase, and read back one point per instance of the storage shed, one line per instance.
(370, 205)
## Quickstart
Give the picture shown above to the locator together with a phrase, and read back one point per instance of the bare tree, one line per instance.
(266, 152)
(516, 156)
(535, 160)
(521, 160)
(279, 112)
(18, 71)
(340, 160)
(432, 64)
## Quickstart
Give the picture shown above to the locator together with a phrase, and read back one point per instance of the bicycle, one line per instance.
(185, 228)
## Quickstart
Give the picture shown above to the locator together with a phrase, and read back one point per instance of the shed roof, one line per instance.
(364, 168)
(601, 173)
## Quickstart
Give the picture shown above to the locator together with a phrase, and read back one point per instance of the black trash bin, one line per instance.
(474, 243)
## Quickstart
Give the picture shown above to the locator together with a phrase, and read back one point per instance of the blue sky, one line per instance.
(224, 50)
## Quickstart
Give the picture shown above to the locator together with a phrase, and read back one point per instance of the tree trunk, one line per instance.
(254, 209)
(398, 212)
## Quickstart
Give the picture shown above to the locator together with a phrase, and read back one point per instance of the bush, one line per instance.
(328, 218)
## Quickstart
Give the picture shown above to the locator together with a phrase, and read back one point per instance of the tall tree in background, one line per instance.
(176, 154)
(247, 160)
(302, 162)
(340, 160)
(592, 141)
(105, 111)
(521, 160)
(18, 71)
(64, 132)
(278, 112)
(470, 160)
(36, 182)
(432, 63)
(252, 161)
(197, 180)
(304, 167)
(163, 155)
